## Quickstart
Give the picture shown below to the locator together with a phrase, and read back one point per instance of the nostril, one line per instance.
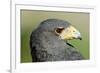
(73, 31)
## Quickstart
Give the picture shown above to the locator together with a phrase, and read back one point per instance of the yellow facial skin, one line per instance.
(70, 33)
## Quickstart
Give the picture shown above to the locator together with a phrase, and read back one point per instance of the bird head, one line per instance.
(61, 28)
(68, 33)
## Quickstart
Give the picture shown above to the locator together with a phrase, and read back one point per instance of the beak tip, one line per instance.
(80, 38)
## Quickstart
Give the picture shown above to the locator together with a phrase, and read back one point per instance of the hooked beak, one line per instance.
(70, 33)
(77, 35)
(79, 38)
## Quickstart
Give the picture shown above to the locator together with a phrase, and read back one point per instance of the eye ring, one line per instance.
(59, 30)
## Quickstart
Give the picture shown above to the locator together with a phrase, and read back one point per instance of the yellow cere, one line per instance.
(70, 33)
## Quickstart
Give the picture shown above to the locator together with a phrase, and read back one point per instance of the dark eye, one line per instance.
(59, 30)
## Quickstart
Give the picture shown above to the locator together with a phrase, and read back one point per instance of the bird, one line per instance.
(49, 41)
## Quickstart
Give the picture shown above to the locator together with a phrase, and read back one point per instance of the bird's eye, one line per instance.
(59, 30)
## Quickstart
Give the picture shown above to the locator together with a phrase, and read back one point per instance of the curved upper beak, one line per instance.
(70, 33)
(80, 38)
(77, 35)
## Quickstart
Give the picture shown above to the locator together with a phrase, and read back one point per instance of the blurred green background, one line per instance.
(31, 19)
